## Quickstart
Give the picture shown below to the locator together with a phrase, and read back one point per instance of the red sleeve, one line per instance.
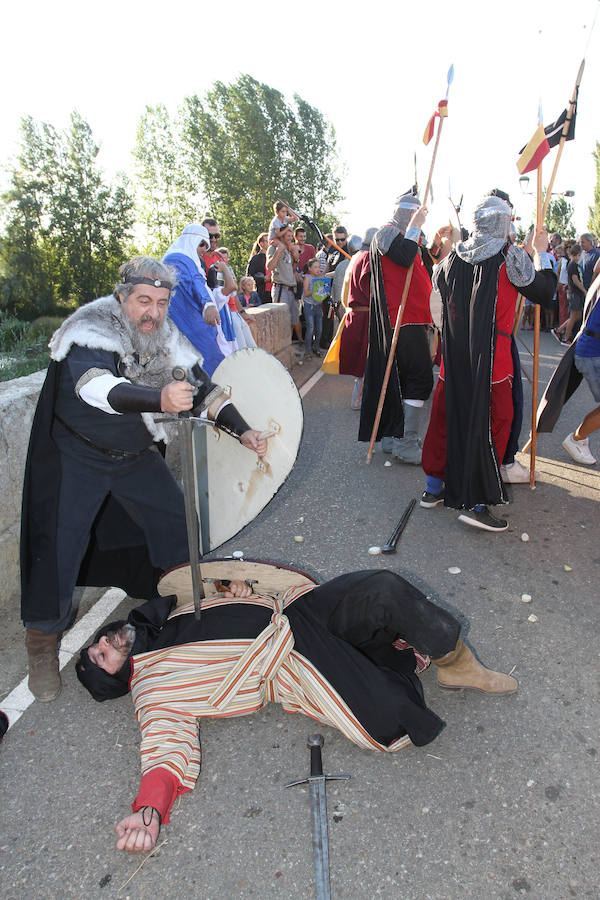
(361, 289)
(158, 788)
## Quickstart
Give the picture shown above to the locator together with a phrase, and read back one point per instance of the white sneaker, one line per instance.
(515, 473)
(579, 450)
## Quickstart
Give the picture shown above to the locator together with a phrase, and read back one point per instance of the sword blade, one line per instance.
(186, 444)
(320, 837)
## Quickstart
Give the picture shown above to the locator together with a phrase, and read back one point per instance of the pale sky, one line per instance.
(377, 71)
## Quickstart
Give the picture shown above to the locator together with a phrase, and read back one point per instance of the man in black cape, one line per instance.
(395, 252)
(100, 506)
(472, 409)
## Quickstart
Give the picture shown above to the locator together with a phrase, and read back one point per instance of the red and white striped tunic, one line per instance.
(174, 687)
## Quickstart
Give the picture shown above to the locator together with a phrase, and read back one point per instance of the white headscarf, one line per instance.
(187, 243)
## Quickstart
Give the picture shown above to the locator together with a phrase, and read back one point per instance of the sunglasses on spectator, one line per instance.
(215, 237)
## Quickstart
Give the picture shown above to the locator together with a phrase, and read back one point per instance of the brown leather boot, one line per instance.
(460, 670)
(42, 651)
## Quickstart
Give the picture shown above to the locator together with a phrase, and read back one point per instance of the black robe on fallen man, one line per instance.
(345, 628)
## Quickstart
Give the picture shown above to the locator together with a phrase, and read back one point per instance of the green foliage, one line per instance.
(64, 229)
(12, 332)
(594, 216)
(26, 274)
(21, 352)
(44, 327)
(558, 218)
(246, 148)
(166, 205)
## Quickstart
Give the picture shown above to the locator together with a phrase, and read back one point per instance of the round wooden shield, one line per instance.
(232, 484)
(264, 577)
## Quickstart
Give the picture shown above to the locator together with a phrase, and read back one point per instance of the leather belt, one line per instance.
(114, 454)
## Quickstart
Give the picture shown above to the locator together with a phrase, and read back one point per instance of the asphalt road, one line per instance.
(503, 804)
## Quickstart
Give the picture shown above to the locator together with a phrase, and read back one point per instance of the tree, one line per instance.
(246, 147)
(594, 216)
(166, 203)
(65, 230)
(27, 272)
(558, 218)
(90, 221)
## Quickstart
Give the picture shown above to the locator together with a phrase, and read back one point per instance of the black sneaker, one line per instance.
(429, 500)
(483, 519)
(317, 352)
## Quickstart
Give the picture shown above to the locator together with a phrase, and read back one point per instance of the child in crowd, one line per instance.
(248, 295)
(283, 216)
(241, 331)
(312, 302)
(575, 295)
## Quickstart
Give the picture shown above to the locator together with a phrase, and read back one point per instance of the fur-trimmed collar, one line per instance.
(99, 326)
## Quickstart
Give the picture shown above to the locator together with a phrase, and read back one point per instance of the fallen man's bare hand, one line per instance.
(134, 836)
(237, 588)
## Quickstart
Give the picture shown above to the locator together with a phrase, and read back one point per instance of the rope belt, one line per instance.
(266, 653)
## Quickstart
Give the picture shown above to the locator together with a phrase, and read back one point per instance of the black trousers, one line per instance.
(144, 487)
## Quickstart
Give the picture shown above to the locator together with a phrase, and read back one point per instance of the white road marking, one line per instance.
(311, 383)
(19, 699)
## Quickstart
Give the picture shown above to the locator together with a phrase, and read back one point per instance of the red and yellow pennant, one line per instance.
(534, 152)
(441, 111)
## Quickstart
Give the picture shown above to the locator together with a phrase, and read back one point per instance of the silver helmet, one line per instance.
(354, 244)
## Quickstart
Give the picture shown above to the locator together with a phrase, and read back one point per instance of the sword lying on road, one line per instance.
(318, 810)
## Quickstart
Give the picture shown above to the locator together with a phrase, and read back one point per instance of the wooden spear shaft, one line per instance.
(536, 346)
(398, 325)
(563, 138)
(530, 445)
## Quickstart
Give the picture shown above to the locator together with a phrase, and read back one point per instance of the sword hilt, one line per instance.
(314, 744)
(180, 373)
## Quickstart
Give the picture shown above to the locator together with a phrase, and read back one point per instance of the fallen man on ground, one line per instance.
(345, 653)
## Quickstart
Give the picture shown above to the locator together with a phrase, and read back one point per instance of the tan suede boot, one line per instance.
(42, 651)
(460, 670)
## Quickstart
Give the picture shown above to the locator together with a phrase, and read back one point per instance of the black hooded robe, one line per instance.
(469, 297)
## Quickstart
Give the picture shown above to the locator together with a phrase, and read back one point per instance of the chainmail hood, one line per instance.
(406, 205)
(490, 233)
(492, 222)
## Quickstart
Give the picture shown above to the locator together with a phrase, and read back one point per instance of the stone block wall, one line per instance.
(272, 330)
(18, 399)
